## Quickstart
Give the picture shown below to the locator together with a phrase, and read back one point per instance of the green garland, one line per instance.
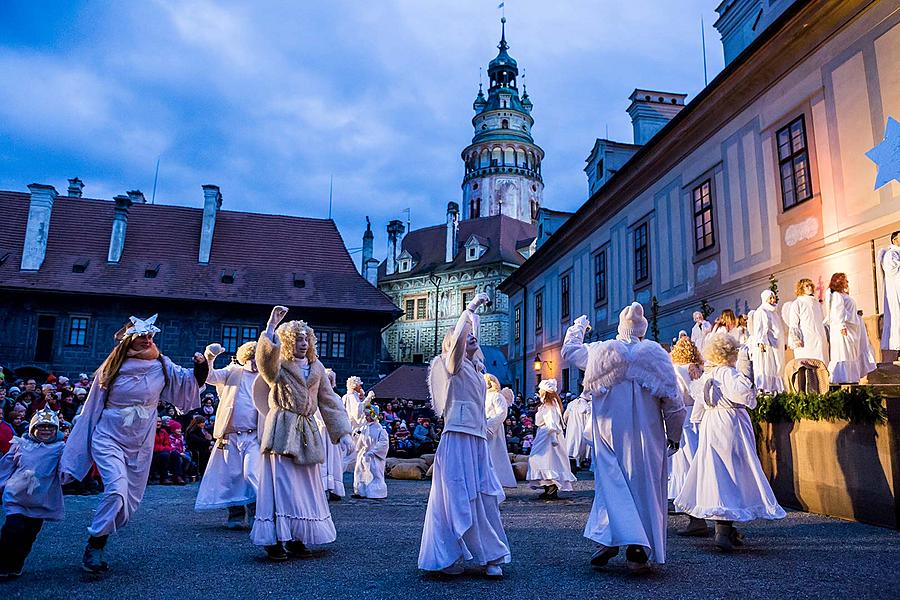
(857, 404)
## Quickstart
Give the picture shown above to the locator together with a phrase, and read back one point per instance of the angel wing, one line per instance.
(438, 384)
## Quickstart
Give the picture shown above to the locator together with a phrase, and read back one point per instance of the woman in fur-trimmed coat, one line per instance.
(637, 412)
(291, 509)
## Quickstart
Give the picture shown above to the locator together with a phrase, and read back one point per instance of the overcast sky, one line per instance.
(270, 99)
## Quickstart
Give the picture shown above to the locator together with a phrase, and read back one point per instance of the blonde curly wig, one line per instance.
(720, 350)
(332, 377)
(353, 382)
(245, 352)
(493, 384)
(685, 353)
(288, 332)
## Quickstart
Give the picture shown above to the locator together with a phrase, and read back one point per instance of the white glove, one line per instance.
(370, 396)
(346, 443)
(479, 299)
(214, 349)
(583, 322)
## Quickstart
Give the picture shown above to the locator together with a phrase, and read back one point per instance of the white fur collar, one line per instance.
(643, 362)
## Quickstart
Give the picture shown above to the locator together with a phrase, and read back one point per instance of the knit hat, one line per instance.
(43, 417)
(632, 322)
(80, 391)
(547, 385)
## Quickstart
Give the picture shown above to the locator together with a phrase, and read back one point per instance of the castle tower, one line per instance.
(503, 164)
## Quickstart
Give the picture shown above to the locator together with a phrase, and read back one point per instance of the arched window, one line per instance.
(520, 158)
(534, 209)
(474, 208)
(485, 158)
(504, 123)
(509, 157)
(496, 157)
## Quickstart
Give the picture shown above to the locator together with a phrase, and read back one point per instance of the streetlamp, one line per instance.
(539, 366)
(436, 282)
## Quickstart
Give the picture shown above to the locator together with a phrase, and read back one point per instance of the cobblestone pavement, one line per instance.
(170, 551)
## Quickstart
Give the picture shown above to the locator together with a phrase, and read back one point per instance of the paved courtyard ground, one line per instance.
(170, 551)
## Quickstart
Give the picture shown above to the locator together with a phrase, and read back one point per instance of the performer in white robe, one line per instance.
(851, 356)
(496, 406)
(354, 402)
(577, 420)
(688, 368)
(333, 468)
(230, 480)
(767, 345)
(548, 461)
(291, 509)
(806, 324)
(726, 482)
(117, 427)
(889, 260)
(372, 443)
(462, 522)
(638, 413)
(700, 330)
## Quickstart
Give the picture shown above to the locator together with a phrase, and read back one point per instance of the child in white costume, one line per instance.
(889, 259)
(332, 470)
(805, 323)
(291, 509)
(548, 463)
(636, 406)
(767, 345)
(354, 402)
(230, 480)
(372, 442)
(726, 482)
(31, 489)
(851, 356)
(700, 330)
(462, 522)
(496, 406)
(117, 427)
(577, 419)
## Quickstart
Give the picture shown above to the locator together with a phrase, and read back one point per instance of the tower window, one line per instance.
(504, 123)
(793, 163)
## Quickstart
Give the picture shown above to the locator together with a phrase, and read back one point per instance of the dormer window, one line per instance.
(227, 276)
(80, 266)
(405, 262)
(405, 266)
(151, 272)
(299, 281)
(474, 249)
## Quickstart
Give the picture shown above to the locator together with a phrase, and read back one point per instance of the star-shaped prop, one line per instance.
(887, 154)
(142, 327)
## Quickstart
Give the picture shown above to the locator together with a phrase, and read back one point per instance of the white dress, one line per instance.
(726, 481)
(890, 266)
(806, 326)
(680, 462)
(332, 470)
(372, 443)
(851, 356)
(548, 462)
(699, 333)
(577, 419)
(231, 473)
(495, 412)
(768, 362)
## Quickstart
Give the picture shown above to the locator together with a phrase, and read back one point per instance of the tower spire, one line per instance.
(503, 45)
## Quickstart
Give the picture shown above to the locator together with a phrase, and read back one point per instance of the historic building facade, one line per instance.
(763, 174)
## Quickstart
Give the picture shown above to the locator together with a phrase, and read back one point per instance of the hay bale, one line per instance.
(389, 463)
(520, 470)
(428, 458)
(430, 472)
(407, 471)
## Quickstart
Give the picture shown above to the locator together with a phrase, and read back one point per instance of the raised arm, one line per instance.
(574, 351)
(215, 376)
(466, 324)
(268, 350)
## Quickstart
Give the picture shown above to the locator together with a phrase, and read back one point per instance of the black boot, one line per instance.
(297, 549)
(92, 561)
(724, 536)
(235, 517)
(603, 554)
(276, 553)
(636, 559)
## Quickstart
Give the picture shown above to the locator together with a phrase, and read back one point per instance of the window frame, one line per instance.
(600, 259)
(323, 341)
(701, 213)
(462, 295)
(235, 338)
(517, 323)
(338, 344)
(565, 295)
(83, 331)
(790, 159)
(539, 311)
(642, 276)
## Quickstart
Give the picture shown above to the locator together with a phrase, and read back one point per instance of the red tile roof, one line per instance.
(501, 234)
(263, 251)
(407, 382)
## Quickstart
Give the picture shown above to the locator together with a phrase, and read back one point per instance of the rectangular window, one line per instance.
(230, 338)
(564, 296)
(78, 331)
(249, 334)
(409, 312)
(517, 323)
(421, 308)
(600, 277)
(467, 294)
(793, 163)
(704, 237)
(322, 338)
(539, 312)
(338, 345)
(46, 330)
(641, 253)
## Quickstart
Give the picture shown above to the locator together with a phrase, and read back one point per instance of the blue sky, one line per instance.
(270, 99)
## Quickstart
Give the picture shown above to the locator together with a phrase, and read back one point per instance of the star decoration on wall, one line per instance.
(887, 154)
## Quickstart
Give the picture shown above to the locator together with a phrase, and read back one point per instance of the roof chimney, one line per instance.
(119, 225)
(137, 197)
(394, 230)
(367, 248)
(650, 111)
(371, 271)
(452, 242)
(75, 187)
(38, 228)
(212, 202)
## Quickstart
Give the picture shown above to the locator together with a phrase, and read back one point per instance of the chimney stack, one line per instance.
(394, 230)
(212, 202)
(38, 228)
(119, 225)
(137, 197)
(367, 248)
(371, 271)
(75, 187)
(650, 111)
(452, 243)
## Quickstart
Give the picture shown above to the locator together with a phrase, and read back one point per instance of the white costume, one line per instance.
(354, 404)
(699, 332)
(372, 443)
(680, 462)
(29, 474)
(768, 332)
(806, 329)
(336, 460)
(890, 266)
(726, 481)
(851, 356)
(577, 419)
(548, 462)
(496, 406)
(231, 474)
(462, 521)
(636, 406)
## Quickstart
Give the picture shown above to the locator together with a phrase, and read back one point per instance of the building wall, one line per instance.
(844, 91)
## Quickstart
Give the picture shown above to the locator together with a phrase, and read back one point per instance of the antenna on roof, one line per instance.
(703, 42)
(155, 179)
(330, 195)
(408, 218)
(607, 131)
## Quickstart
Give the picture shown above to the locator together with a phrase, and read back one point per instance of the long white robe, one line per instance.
(29, 478)
(890, 265)
(636, 405)
(372, 443)
(768, 361)
(332, 470)
(577, 419)
(495, 411)
(116, 430)
(699, 332)
(806, 329)
(726, 481)
(680, 462)
(851, 356)
(548, 461)
(355, 407)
